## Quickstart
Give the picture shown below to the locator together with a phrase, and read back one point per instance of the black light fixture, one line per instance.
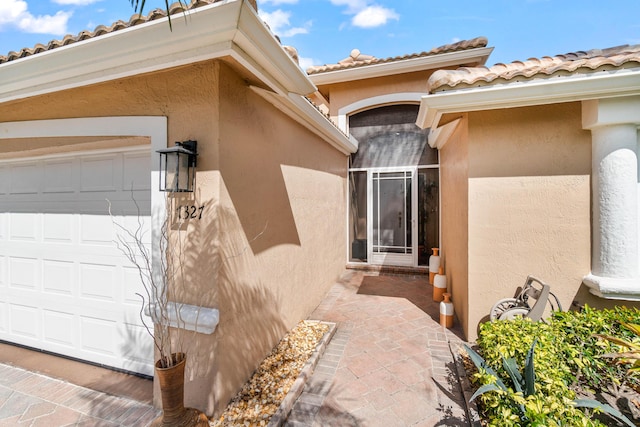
(178, 167)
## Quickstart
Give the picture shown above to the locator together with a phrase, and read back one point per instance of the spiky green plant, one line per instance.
(528, 402)
(631, 355)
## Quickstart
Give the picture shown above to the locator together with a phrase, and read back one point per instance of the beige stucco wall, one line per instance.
(343, 94)
(271, 238)
(454, 217)
(281, 228)
(529, 203)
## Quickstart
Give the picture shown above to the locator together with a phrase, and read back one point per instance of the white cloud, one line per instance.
(307, 62)
(15, 14)
(76, 2)
(366, 14)
(278, 2)
(12, 10)
(278, 21)
(297, 30)
(45, 24)
(374, 16)
(353, 6)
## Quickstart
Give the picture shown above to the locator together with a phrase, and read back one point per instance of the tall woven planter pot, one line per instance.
(174, 414)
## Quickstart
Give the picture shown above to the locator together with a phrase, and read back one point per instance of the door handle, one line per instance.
(399, 219)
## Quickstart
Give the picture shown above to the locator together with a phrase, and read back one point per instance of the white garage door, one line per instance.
(64, 286)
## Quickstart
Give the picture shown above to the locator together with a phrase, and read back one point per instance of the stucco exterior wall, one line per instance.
(529, 203)
(281, 227)
(454, 217)
(342, 94)
(271, 237)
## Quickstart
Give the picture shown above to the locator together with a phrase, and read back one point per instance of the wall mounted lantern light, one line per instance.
(178, 167)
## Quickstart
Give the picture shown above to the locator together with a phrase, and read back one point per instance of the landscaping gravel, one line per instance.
(261, 396)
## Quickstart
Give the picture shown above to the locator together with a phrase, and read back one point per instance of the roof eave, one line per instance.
(470, 56)
(607, 84)
(221, 29)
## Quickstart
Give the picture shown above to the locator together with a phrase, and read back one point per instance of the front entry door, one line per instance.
(392, 212)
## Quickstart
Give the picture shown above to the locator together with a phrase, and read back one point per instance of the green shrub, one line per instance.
(567, 355)
(583, 350)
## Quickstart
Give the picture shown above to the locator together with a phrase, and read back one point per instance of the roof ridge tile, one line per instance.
(533, 68)
(351, 62)
(135, 19)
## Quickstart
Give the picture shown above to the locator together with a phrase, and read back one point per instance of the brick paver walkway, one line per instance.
(389, 363)
(34, 400)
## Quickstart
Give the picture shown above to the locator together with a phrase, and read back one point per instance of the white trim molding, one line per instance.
(402, 66)
(376, 101)
(229, 28)
(619, 83)
(440, 135)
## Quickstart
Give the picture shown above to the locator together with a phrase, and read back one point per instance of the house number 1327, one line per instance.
(190, 212)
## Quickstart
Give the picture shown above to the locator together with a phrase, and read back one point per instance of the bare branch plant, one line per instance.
(159, 290)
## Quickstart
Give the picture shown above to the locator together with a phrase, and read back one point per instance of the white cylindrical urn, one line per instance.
(439, 285)
(434, 264)
(446, 311)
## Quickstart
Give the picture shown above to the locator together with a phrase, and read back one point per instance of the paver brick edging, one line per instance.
(467, 391)
(281, 415)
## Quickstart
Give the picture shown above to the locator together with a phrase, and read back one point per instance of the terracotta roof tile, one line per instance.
(135, 19)
(357, 59)
(549, 66)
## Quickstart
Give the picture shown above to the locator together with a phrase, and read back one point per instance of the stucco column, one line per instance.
(615, 271)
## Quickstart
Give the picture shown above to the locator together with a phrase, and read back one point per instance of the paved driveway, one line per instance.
(389, 365)
(31, 399)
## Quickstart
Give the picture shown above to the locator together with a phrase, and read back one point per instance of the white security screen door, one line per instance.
(392, 212)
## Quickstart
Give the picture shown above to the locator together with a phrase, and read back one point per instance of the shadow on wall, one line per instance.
(221, 272)
(583, 296)
(263, 201)
(252, 323)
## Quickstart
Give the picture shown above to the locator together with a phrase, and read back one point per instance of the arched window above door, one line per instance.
(388, 136)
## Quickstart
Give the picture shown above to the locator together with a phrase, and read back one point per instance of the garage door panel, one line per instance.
(96, 229)
(25, 321)
(58, 228)
(25, 179)
(4, 180)
(97, 282)
(99, 174)
(58, 277)
(3, 271)
(23, 226)
(132, 287)
(58, 328)
(23, 273)
(64, 285)
(3, 222)
(59, 177)
(137, 334)
(4, 318)
(98, 335)
(134, 172)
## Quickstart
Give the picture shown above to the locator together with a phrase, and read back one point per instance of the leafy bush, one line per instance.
(583, 349)
(567, 356)
(631, 354)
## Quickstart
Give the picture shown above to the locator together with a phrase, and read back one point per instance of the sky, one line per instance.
(325, 31)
